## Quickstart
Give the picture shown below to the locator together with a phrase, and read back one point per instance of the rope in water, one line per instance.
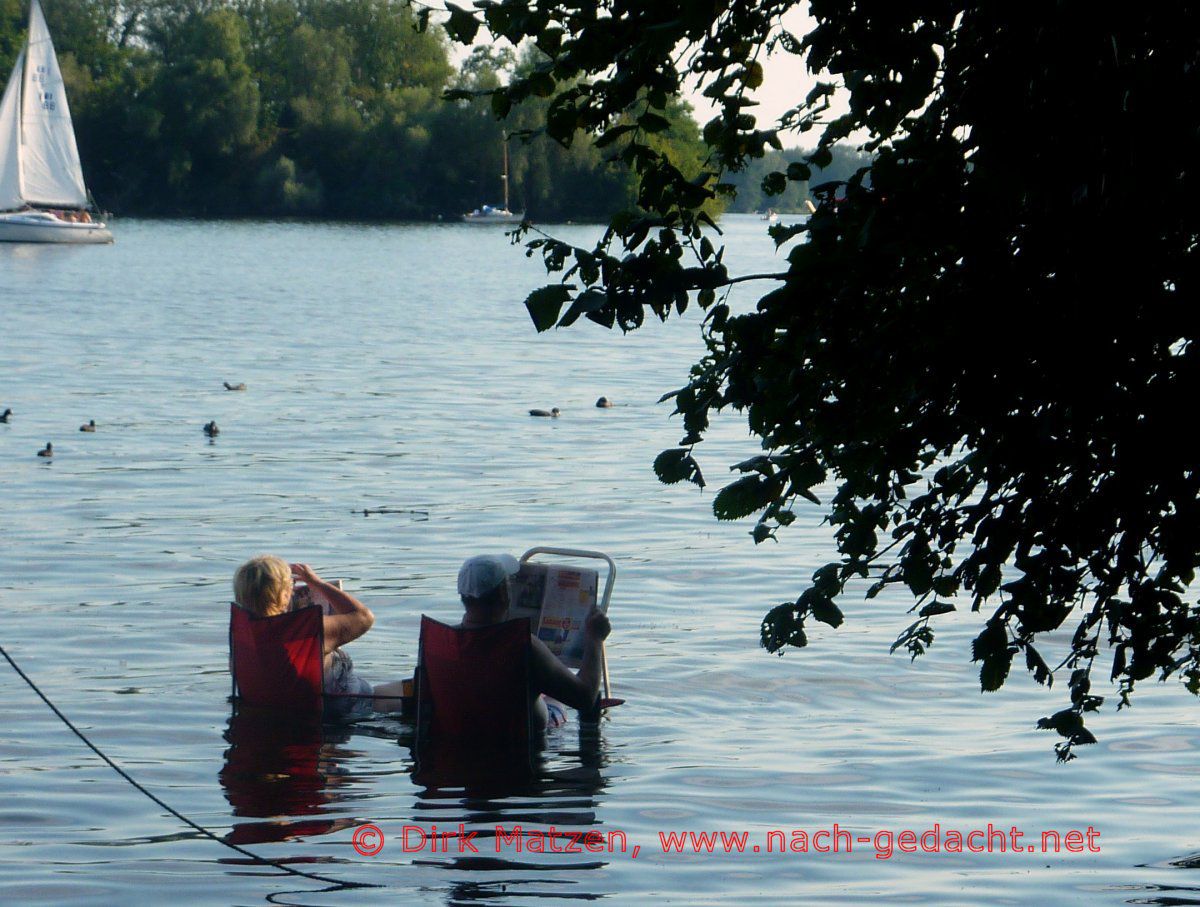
(174, 812)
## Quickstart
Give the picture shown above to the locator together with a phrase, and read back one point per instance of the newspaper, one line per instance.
(304, 595)
(557, 601)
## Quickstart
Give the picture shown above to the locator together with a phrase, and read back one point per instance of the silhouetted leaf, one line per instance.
(585, 303)
(677, 465)
(992, 649)
(798, 171)
(652, 122)
(781, 627)
(462, 25)
(827, 612)
(774, 183)
(741, 498)
(545, 303)
(1037, 666)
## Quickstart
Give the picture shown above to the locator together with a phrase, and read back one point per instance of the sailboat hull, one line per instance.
(44, 228)
(493, 218)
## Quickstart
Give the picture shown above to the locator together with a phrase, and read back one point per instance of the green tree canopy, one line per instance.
(207, 96)
(987, 348)
(303, 107)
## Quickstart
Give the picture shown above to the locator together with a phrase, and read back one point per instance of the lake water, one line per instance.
(392, 367)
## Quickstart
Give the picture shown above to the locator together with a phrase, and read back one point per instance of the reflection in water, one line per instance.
(491, 828)
(279, 767)
(516, 824)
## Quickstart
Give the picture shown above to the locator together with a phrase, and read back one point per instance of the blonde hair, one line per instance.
(263, 585)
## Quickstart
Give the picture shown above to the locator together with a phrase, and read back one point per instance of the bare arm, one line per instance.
(350, 618)
(554, 679)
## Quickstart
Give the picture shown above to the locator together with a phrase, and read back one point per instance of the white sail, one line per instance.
(39, 161)
(10, 139)
(50, 170)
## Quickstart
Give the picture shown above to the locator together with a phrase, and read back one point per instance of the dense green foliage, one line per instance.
(985, 353)
(304, 107)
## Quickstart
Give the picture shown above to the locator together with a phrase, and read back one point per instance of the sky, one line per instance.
(786, 82)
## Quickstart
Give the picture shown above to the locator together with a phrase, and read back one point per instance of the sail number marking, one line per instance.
(40, 76)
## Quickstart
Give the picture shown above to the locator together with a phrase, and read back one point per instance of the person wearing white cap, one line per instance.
(483, 586)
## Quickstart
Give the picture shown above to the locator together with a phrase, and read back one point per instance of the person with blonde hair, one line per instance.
(264, 586)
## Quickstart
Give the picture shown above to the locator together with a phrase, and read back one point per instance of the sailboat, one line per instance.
(42, 194)
(490, 214)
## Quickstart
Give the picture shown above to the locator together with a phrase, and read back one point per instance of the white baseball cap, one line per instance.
(482, 573)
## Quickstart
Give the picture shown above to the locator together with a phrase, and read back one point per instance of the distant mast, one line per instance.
(502, 214)
(504, 175)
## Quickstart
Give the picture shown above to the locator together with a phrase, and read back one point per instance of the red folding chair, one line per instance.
(278, 661)
(473, 711)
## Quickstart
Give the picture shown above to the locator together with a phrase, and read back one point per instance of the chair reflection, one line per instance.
(289, 777)
(280, 766)
(521, 815)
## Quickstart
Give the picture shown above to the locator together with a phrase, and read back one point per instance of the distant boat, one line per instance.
(490, 214)
(42, 194)
(771, 216)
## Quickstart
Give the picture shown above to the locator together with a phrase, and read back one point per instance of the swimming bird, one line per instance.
(551, 413)
(604, 403)
(4, 417)
(211, 429)
(90, 426)
(48, 452)
(234, 387)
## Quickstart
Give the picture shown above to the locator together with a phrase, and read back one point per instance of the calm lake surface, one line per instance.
(392, 367)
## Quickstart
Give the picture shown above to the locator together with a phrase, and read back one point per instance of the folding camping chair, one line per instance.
(278, 661)
(473, 684)
(473, 718)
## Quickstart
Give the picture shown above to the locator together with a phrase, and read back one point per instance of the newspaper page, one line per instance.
(569, 595)
(526, 591)
(303, 596)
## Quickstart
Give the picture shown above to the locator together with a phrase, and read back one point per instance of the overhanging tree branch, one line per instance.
(987, 337)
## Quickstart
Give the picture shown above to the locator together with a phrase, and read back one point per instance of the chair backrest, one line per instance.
(473, 687)
(278, 661)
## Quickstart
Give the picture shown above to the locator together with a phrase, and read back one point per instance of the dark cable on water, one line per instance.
(262, 861)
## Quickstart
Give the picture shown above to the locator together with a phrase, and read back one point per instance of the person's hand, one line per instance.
(596, 625)
(304, 574)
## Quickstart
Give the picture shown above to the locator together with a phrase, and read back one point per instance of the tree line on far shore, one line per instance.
(319, 108)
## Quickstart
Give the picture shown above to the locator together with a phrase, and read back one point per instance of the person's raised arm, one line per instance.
(351, 618)
(554, 679)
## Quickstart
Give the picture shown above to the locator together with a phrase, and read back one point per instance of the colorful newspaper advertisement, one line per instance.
(569, 596)
(557, 601)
